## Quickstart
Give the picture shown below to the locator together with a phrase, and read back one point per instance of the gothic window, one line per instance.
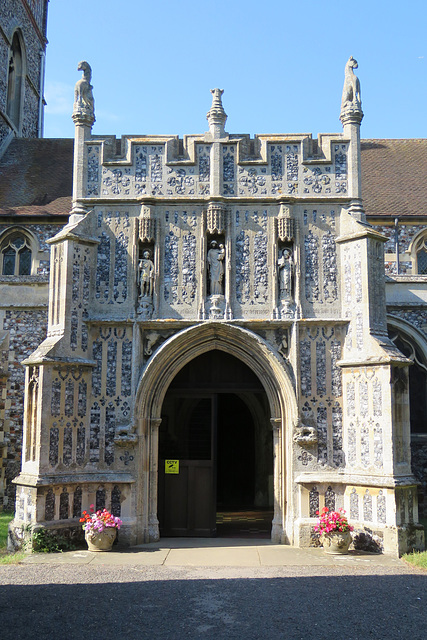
(417, 379)
(16, 255)
(422, 259)
(15, 82)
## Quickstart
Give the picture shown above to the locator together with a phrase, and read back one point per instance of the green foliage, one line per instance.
(5, 557)
(11, 558)
(417, 558)
(45, 541)
(5, 518)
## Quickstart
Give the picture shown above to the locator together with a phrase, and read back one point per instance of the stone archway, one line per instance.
(168, 360)
(411, 341)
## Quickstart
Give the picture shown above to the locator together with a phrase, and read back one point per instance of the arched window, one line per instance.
(417, 379)
(16, 255)
(15, 81)
(418, 253)
(422, 258)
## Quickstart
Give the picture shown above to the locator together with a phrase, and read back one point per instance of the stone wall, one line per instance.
(406, 234)
(26, 330)
(23, 325)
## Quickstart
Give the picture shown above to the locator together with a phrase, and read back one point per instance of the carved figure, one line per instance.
(146, 276)
(83, 96)
(215, 259)
(286, 268)
(151, 339)
(351, 91)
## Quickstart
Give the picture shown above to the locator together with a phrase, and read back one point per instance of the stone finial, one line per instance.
(216, 115)
(351, 102)
(84, 105)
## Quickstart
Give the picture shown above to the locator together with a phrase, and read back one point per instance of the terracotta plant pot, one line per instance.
(103, 541)
(336, 542)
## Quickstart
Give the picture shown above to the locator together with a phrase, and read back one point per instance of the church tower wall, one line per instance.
(22, 54)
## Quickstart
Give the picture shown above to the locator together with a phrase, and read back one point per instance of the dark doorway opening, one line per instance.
(215, 423)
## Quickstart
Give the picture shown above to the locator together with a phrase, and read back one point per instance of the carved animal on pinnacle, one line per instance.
(83, 96)
(351, 91)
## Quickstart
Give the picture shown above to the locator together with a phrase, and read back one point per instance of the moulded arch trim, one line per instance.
(186, 345)
(13, 27)
(416, 241)
(412, 332)
(33, 240)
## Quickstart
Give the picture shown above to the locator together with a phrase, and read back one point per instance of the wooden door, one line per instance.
(187, 499)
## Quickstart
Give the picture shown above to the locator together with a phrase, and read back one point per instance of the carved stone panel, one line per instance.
(251, 272)
(320, 262)
(181, 263)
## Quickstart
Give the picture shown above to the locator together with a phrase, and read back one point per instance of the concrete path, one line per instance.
(215, 552)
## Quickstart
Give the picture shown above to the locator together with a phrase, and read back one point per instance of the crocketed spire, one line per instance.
(216, 115)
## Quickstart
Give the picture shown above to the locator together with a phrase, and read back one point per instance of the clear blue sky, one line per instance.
(280, 63)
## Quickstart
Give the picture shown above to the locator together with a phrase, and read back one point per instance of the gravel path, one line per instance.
(292, 603)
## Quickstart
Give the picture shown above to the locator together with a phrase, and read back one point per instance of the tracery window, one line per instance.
(422, 258)
(16, 255)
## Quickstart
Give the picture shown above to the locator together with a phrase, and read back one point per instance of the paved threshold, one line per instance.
(214, 552)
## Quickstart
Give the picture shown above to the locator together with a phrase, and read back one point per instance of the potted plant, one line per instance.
(334, 531)
(100, 529)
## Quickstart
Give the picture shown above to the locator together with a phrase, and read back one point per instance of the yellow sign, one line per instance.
(171, 466)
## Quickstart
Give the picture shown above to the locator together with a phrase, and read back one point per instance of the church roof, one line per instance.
(394, 177)
(36, 177)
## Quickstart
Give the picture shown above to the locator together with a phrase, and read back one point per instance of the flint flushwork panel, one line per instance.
(111, 390)
(320, 261)
(113, 257)
(180, 280)
(321, 387)
(251, 275)
(365, 444)
(68, 421)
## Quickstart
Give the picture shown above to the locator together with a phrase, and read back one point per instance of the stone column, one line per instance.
(153, 523)
(351, 117)
(83, 118)
(277, 524)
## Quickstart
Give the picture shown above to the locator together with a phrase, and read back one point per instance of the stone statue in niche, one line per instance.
(286, 270)
(285, 264)
(215, 259)
(146, 285)
(146, 276)
(351, 92)
(84, 105)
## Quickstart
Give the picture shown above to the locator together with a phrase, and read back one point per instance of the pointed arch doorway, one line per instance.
(216, 426)
(171, 357)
